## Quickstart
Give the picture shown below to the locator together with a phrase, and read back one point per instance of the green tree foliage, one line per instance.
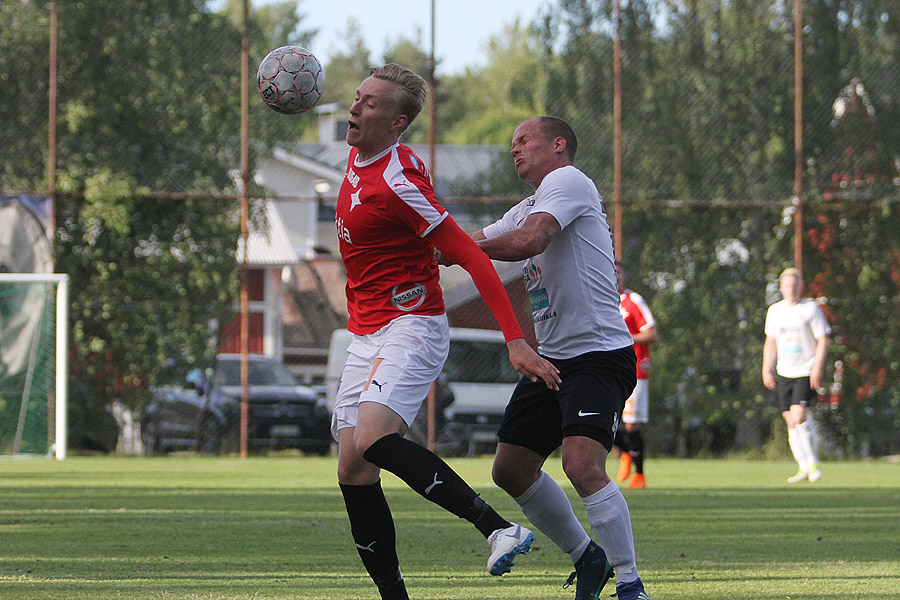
(23, 89)
(853, 141)
(151, 278)
(148, 101)
(347, 68)
(409, 53)
(855, 265)
(148, 89)
(484, 105)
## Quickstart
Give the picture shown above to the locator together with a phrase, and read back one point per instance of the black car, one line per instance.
(203, 411)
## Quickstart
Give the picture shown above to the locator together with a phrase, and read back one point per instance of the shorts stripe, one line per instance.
(371, 376)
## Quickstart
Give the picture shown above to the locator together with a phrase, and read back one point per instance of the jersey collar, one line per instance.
(382, 154)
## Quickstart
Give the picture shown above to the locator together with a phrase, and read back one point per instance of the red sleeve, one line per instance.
(459, 247)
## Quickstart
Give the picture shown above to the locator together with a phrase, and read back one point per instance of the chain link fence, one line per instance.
(146, 151)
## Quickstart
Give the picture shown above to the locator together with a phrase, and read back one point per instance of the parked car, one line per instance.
(202, 412)
(470, 395)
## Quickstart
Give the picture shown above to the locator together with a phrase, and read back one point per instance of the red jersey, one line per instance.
(385, 208)
(638, 318)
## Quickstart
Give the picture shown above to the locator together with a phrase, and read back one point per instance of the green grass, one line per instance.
(275, 528)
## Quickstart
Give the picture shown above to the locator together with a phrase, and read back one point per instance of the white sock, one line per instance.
(796, 449)
(611, 523)
(548, 508)
(813, 437)
(806, 437)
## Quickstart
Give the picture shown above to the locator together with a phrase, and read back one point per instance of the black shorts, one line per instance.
(793, 390)
(589, 402)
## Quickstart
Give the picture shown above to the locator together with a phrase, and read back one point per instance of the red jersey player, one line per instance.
(642, 327)
(389, 224)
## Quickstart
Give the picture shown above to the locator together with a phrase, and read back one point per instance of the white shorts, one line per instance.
(394, 366)
(637, 407)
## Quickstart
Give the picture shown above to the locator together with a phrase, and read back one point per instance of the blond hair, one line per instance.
(791, 272)
(413, 89)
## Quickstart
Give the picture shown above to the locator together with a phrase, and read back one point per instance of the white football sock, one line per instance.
(548, 508)
(806, 437)
(796, 449)
(611, 523)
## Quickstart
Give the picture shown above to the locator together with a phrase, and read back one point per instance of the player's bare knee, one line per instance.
(586, 475)
(363, 443)
(504, 478)
(357, 472)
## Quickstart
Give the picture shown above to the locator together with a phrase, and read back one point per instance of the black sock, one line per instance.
(637, 450)
(623, 440)
(372, 528)
(428, 475)
(395, 591)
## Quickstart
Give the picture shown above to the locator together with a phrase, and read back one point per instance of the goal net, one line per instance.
(33, 395)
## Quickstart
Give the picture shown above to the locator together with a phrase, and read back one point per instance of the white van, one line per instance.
(477, 372)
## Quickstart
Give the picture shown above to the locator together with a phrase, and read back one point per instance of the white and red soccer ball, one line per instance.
(290, 80)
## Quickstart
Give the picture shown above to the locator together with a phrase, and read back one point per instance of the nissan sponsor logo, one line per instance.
(410, 298)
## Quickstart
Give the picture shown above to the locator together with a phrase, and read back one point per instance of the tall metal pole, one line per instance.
(432, 113)
(245, 201)
(798, 134)
(617, 132)
(51, 127)
(432, 106)
(53, 401)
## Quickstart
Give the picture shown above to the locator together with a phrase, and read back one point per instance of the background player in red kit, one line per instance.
(389, 224)
(629, 439)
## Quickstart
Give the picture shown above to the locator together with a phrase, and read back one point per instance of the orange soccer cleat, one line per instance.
(637, 482)
(624, 466)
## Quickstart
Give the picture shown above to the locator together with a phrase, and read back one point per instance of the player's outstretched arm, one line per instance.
(459, 248)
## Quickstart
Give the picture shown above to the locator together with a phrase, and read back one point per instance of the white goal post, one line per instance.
(61, 282)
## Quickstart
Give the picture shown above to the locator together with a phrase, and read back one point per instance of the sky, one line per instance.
(462, 27)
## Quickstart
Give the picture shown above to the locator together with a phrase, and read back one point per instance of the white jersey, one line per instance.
(796, 329)
(572, 283)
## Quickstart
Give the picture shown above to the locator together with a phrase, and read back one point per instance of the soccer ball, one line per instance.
(290, 80)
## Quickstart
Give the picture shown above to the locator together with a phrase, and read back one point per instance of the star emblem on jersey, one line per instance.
(354, 199)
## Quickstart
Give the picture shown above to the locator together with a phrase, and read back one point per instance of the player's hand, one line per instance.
(527, 362)
(815, 379)
(768, 380)
(441, 259)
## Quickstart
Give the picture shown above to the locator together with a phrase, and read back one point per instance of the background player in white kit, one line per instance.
(793, 362)
(388, 224)
(570, 277)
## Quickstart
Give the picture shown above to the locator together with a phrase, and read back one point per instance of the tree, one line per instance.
(150, 281)
(409, 52)
(346, 69)
(853, 140)
(23, 109)
(484, 105)
(148, 103)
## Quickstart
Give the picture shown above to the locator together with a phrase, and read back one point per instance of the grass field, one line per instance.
(275, 528)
